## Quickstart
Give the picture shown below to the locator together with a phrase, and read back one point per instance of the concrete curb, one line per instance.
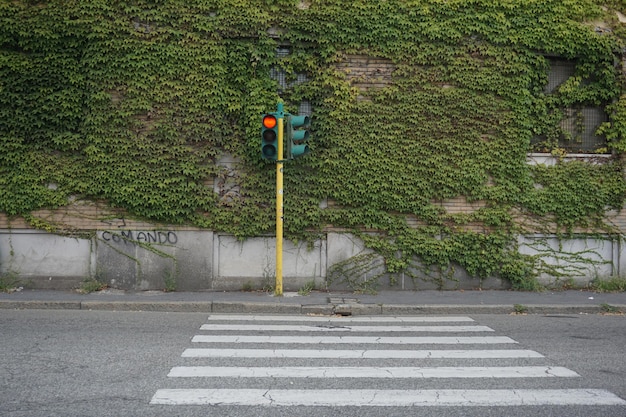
(346, 309)
(40, 305)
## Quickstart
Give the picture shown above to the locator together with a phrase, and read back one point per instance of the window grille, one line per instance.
(560, 71)
(579, 124)
(278, 74)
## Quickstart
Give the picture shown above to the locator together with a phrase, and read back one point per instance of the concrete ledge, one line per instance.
(570, 309)
(250, 307)
(42, 305)
(171, 306)
(353, 309)
(403, 309)
(391, 305)
(321, 309)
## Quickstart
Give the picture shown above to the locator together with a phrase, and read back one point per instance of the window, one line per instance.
(280, 75)
(576, 132)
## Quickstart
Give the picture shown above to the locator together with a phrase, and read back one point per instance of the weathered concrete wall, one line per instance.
(187, 260)
(352, 261)
(252, 263)
(581, 260)
(155, 259)
(43, 260)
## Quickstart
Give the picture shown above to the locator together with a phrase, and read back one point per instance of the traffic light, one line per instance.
(269, 136)
(297, 135)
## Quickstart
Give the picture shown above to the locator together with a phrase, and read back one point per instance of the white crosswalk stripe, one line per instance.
(333, 328)
(371, 372)
(342, 319)
(360, 354)
(386, 398)
(375, 340)
(231, 345)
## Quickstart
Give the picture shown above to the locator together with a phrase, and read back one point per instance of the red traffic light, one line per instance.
(269, 121)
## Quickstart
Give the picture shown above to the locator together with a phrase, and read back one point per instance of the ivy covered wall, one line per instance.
(137, 104)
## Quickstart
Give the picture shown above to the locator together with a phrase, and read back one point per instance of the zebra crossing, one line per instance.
(284, 361)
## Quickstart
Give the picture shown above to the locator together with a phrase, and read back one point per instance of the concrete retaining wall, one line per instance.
(203, 260)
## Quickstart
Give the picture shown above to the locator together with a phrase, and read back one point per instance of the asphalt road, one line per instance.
(103, 363)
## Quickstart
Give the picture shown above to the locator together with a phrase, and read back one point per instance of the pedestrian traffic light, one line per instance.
(297, 135)
(269, 137)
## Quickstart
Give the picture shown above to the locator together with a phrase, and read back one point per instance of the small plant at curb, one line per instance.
(307, 288)
(170, 282)
(609, 309)
(269, 284)
(520, 309)
(8, 282)
(614, 284)
(90, 285)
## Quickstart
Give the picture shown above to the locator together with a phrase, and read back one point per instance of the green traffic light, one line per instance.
(297, 135)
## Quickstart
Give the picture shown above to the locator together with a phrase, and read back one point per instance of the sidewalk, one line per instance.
(327, 303)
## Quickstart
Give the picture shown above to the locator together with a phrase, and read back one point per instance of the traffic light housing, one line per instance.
(269, 136)
(297, 135)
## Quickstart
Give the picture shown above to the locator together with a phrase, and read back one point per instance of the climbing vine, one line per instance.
(138, 103)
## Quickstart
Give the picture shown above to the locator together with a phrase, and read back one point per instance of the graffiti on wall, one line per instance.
(131, 237)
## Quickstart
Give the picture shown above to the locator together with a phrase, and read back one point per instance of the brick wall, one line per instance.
(80, 216)
(365, 72)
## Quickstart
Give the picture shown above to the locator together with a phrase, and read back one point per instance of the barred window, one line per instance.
(278, 74)
(576, 132)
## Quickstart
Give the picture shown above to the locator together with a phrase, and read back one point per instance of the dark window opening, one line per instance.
(278, 74)
(576, 131)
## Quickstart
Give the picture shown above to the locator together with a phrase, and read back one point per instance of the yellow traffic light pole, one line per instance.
(279, 204)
